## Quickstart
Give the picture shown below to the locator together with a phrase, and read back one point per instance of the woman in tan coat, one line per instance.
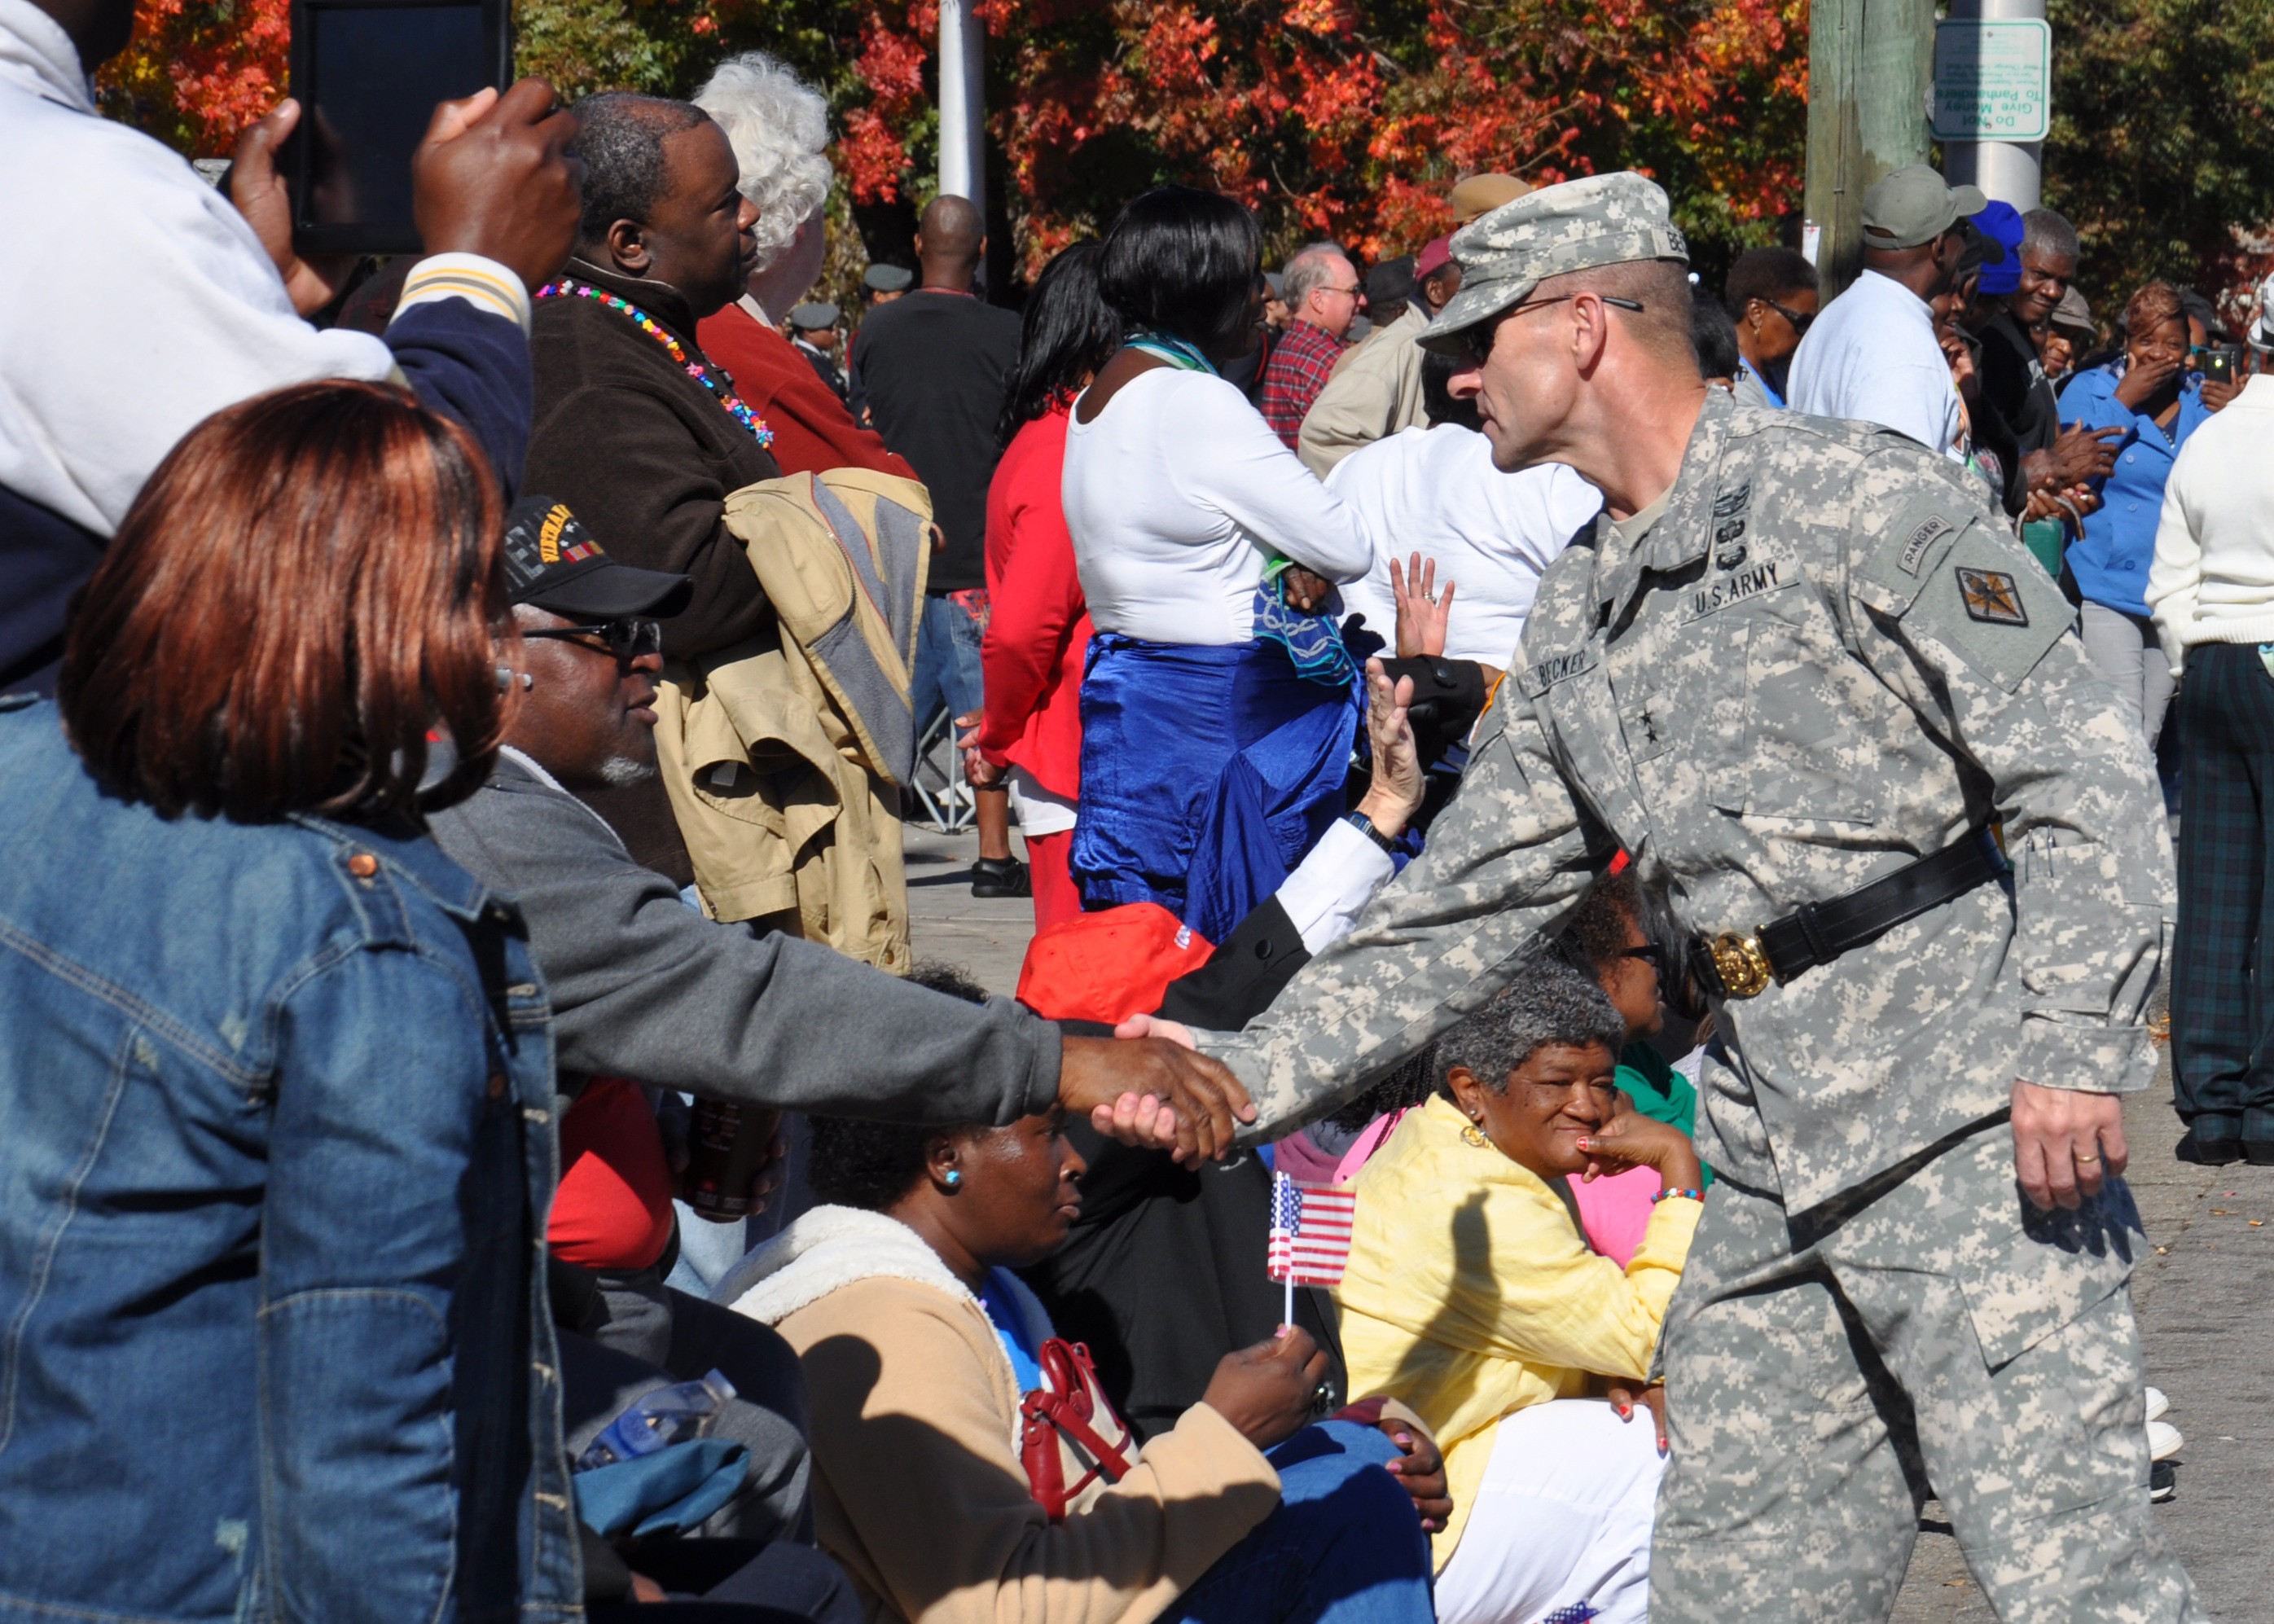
(918, 1345)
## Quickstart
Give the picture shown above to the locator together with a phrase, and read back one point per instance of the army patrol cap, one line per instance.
(1481, 194)
(1597, 219)
(1905, 207)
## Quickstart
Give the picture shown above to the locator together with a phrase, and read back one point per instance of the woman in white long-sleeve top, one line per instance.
(1220, 702)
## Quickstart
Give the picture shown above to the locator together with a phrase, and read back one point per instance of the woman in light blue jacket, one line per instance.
(2149, 393)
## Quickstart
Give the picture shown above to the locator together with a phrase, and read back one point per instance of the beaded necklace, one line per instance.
(723, 393)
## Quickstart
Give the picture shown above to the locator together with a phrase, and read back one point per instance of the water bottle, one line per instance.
(659, 1419)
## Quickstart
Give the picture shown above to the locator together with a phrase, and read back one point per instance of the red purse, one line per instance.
(1067, 1431)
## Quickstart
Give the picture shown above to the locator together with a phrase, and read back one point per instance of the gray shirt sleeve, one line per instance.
(644, 988)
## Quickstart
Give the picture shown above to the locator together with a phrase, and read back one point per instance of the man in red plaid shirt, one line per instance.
(1324, 297)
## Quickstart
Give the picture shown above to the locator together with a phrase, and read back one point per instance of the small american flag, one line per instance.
(1310, 1232)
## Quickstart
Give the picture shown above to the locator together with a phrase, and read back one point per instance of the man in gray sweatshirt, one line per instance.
(645, 989)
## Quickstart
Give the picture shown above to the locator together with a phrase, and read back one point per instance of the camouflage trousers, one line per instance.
(1930, 1335)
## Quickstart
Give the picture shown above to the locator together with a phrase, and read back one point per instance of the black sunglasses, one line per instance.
(626, 639)
(1477, 343)
(1798, 318)
(1650, 953)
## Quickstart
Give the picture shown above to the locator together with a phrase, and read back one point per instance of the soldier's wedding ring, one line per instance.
(2081, 1157)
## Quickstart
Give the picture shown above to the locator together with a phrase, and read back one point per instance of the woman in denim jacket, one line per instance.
(276, 1075)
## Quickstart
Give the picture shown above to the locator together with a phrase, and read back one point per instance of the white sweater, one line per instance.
(2213, 577)
(1436, 493)
(1172, 496)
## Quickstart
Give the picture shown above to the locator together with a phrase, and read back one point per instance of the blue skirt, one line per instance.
(1207, 772)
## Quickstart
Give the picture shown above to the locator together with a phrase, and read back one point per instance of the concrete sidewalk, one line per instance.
(2205, 1296)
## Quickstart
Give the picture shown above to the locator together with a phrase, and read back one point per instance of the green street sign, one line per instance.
(1993, 80)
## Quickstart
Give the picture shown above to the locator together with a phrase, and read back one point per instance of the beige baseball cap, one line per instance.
(1577, 226)
(1481, 194)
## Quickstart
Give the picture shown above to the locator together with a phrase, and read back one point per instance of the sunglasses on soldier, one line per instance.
(1477, 343)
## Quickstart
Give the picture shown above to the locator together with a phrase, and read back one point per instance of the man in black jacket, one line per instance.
(2018, 416)
(932, 367)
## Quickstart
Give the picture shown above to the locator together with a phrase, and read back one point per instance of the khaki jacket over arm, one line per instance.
(919, 1493)
(1376, 391)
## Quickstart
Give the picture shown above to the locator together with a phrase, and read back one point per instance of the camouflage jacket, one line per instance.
(1824, 659)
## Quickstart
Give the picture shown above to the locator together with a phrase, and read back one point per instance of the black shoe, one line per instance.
(2212, 1153)
(1000, 876)
(2258, 1153)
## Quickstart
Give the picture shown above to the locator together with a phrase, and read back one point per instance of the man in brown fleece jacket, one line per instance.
(641, 446)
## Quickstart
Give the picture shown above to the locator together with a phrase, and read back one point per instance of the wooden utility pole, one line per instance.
(1870, 66)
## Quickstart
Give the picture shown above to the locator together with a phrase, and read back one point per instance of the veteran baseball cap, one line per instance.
(1906, 207)
(1436, 255)
(1481, 194)
(553, 563)
(1597, 220)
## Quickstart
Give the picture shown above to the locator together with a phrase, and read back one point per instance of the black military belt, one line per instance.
(1733, 964)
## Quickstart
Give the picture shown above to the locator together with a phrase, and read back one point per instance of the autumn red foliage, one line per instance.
(199, 71)
(1343, 118)
(1350, 118)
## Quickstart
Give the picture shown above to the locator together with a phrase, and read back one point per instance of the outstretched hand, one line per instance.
(1396, 793)
(1423, 612)
(1148, 1085)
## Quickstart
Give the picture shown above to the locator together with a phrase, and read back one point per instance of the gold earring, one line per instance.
(1475, 1135)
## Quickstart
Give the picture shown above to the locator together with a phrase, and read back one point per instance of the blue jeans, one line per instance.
(1345, 1546)
(947, 660)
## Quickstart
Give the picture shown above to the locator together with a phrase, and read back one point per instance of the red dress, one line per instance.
(1037, 638)
(813, 431)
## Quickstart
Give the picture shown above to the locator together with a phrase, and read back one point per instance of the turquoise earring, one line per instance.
(954, 1178)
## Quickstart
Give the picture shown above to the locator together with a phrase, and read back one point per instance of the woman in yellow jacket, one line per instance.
(1471, 1297)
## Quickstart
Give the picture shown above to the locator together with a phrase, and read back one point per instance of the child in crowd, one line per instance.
(1471, 1297)
(919, 1346)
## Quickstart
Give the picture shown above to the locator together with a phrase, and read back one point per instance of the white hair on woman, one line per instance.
(779, 129)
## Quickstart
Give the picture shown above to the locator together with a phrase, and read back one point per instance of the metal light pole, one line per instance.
(2010, 171)
(962, 103)
(1869, 66)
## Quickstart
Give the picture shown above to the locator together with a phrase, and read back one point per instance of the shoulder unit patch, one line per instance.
(1991, 597)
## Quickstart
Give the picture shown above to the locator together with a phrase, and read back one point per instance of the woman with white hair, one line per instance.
(779, 129)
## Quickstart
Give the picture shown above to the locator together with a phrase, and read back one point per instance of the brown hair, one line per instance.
(307, 585)
(2155, 304)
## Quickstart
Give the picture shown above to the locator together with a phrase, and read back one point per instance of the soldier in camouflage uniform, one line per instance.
(1793, 657)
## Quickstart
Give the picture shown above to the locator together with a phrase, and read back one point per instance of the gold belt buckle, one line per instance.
(1741, 963)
